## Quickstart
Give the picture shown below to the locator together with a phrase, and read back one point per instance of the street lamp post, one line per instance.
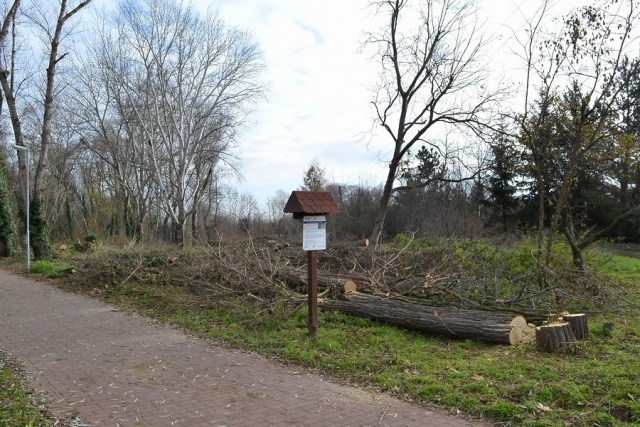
(26, 151)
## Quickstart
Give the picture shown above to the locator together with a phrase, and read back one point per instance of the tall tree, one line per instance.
(7, 222)
(501, 180)
(51, 22)
(186, 83)
(589, 51)
(429, 75)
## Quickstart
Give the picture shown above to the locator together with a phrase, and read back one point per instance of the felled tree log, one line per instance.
(299, 283)
(555, 337)
(578, 324)
(451, 322)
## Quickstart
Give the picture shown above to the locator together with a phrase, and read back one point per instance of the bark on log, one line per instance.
(451, 322)
(554, 338)
(578, 324)
(298, 283)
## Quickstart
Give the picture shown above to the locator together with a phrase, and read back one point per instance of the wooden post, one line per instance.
(312, 265)
(312, 207)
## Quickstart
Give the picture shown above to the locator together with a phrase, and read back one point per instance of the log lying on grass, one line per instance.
(452, 322)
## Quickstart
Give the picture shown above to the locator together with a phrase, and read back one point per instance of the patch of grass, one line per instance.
(516, 384)
(617, 265)
(17, 406)
(47, 268)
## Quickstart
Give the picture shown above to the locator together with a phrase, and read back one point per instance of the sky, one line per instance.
(319, 101)
(320, 81)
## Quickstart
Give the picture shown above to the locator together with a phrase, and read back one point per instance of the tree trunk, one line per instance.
(194, 225)
(541, 273)
(451, 322)
(39, 230)
(554, 338)
(576, 252)
(578, 324)
(374, 239)
(7, 222)
(178, 234)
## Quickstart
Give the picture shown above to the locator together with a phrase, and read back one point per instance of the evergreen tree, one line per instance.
(501, 183)
(314, 178)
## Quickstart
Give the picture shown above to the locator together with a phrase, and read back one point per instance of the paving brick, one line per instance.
(119, 369)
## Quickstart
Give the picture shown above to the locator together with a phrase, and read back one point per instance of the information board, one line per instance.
(314, 233)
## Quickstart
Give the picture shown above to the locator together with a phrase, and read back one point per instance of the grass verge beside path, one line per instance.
(18, 406)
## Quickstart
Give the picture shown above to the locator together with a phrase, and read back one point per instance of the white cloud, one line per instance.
(319, 104)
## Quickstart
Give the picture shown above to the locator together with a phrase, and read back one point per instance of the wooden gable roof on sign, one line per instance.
(311, 203)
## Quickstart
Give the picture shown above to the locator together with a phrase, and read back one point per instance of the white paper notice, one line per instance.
(314, 233)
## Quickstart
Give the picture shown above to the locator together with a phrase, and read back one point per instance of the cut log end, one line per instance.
(521, 331)
(349, 287)
(515, 336)
(519, 321)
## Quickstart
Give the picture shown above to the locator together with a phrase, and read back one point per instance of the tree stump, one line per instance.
(608, 328)
(554, 338)
(578, 323)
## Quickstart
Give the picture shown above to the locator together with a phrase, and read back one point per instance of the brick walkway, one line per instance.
(115, 369)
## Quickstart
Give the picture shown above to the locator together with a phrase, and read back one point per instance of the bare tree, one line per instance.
(185, 84)
(528, 51)
(430, 75)
(107, 127)
(51, 24)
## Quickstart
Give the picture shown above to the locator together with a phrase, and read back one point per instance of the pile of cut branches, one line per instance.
(480, 276)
